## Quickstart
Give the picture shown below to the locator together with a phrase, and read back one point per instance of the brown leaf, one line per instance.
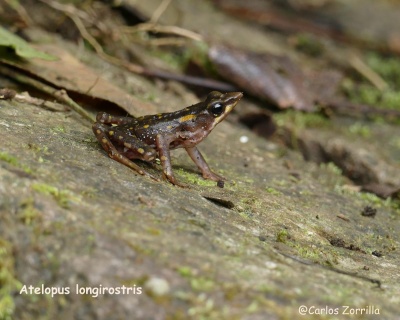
(70, 74)
(266, 76)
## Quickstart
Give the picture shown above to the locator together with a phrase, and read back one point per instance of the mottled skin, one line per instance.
(149, 137)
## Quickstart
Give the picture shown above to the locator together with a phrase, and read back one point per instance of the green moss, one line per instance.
(203, 308)
(14, 162)
(317, 255)
(281, 182)
(364, 93)
(391, 99)
(194, 178)
(387, 67)
(360, 129)
(244, 213)
(302, 120)
(373, 199)
(333, 168)
(8, 282)
(273, 191)
(173, 59)
(9, 159)
(253, 307)
(28, 212)
(63, 197)
(368, 94)
(282, 236)
(198, 53)
(154, 231)
(202, 284)
(185, 271)
(58, 129)
(247, 206)
(198, 283)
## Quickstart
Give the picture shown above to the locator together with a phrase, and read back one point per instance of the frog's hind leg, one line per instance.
(103, 117)
(101, 132)
(133, 147)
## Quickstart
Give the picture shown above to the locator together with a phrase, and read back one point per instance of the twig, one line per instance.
(163, 29)
(368, 73)
(60, 95)
(20, 10)
(159, 11)
(72, 11)
(135, 68)
(76, 19)
(24, 97)
(85, 34)
(347, 273)
(176, 42)
(67, 9)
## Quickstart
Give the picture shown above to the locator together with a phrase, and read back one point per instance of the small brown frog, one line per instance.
(152, 136)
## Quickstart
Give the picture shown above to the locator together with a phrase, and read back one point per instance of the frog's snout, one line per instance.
(231, 97)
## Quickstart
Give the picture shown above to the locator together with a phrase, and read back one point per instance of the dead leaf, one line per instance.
(72, 75)
(266, 76)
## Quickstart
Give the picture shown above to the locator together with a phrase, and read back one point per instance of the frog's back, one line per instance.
(148, 127)
(179, 116)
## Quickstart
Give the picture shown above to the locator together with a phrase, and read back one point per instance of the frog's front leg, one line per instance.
(199, 160)
(162, 144)
(103, 133)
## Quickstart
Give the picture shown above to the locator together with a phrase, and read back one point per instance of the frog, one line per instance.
(150, 138)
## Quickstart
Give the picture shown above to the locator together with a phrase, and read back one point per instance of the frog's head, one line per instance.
(219, 105)
(200, 119)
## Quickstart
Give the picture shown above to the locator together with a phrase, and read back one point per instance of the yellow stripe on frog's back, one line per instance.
(187, 118)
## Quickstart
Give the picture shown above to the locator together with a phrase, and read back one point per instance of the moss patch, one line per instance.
(193, 178)
(28, 213)
(62, 196)
(389, 69)
(14, 162)
(301, 120)
(8, 282)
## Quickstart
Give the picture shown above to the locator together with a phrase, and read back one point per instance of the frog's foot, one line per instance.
(165, 158)
(208, 174)
(175, 182)
(197, 158)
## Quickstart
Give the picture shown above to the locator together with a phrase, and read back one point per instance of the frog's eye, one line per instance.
(217, 109)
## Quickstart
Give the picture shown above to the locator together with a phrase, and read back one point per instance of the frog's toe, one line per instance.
(145, 173)
(175, 182)
(180, 184)
(213, 176)
(153, 177)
